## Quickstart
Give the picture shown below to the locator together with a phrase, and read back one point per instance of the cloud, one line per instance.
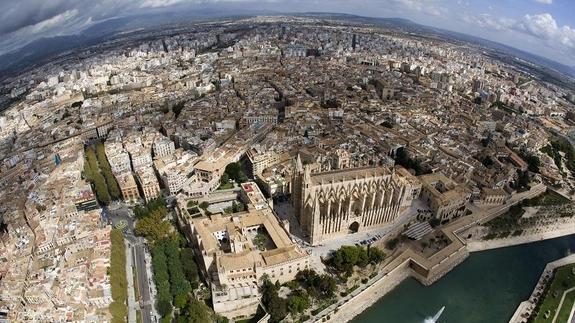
(159, 3)
(53, 22)
(426, 6)
(541, 27)
(544, 26)
(544, 1)
(23, 21)
(490, 22)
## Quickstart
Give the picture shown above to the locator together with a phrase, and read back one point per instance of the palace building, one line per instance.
(333, 203)
(236, 251)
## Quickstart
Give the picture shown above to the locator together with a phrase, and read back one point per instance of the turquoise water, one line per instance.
(486, 288)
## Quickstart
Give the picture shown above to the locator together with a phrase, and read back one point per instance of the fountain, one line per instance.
(435, 317)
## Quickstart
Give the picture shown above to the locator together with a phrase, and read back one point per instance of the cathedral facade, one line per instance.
(333, 203)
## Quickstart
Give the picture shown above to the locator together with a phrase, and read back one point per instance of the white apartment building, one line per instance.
(141, 158)
(120, 163)
(163, 147)
(148, 182)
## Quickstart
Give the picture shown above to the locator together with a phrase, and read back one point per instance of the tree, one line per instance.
(375, 255)
(105, 169)
(92, 173)
(326, 285)
(317, 286)
(234, 171)
(274, 305)
(298, 302)
(153, 227)
(178, 282)
(189, 266)
(391, 244)
(533, 161)
(161, 278)
(180, 301)
(224, 179)
(198, 312)
(346, 257)
(164, 307)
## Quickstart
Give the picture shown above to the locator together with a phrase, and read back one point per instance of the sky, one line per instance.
(542, 27)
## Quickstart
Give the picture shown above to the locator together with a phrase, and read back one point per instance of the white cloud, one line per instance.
(542, 27)
(490, 22)
(51, 23)
(426, 6)
(159, 3)
(545, 1)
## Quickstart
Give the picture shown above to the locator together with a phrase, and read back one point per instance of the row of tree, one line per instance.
(97, 170)
(92, 174)
(175, 270)
(118, 281)
(106, 170)
(176, 276)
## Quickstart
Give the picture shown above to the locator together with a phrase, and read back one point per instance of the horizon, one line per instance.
(539, 27)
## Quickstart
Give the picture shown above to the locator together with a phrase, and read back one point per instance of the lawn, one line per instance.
(566, 307)
(563, 280)
(547, 199)
(507, 221)
(226, 186)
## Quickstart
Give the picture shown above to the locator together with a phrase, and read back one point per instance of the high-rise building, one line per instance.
(477, 85)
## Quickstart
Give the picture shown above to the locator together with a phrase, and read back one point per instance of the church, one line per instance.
(337, 202)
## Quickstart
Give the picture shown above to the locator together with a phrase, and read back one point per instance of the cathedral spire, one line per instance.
(298, 164)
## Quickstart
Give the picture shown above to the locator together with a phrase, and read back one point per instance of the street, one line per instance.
(121, 212)
(146, 303)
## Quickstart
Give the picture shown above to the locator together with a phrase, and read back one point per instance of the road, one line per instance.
(146, 302)
(118, 212)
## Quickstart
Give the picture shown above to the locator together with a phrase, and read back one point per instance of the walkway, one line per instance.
(132, 305)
